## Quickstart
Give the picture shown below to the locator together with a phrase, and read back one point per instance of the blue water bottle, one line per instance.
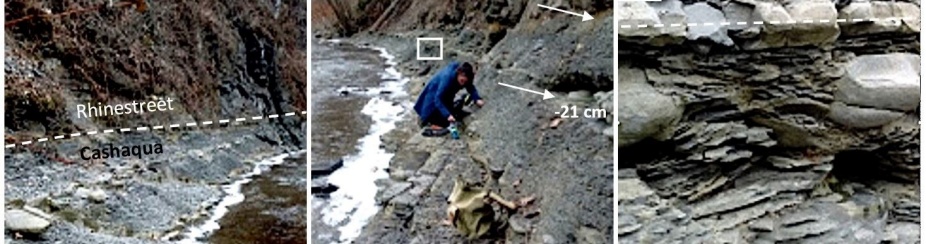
(453, 131)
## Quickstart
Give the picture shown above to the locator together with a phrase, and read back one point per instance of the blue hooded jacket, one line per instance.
(439, 93)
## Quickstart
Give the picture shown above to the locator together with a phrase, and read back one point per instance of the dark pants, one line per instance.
(456, 110)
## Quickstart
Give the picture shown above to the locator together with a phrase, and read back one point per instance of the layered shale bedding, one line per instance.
(768, 121)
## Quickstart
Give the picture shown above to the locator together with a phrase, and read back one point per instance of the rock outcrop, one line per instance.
(798, 123)
(231, 59)
(515, 144)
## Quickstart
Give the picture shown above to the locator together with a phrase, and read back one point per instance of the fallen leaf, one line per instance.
(555, 123)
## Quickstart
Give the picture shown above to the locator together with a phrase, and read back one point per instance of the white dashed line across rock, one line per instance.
(159, 127)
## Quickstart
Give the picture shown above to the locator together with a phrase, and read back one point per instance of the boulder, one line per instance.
(630, 15)
(652, 24)
(643, 112)
(704, 13)
(882, 81)
(783, 25)
(865, 17)
(858, 117)
(98, 196)
(580, 96)
(816, 32)
(756, 36)
(21, 221)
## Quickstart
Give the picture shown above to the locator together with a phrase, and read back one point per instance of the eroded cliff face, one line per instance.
(216, 60)
(781, 121)
(233, 58)
(509, 144)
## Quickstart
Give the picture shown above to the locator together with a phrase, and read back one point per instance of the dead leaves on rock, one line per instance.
(555, 122)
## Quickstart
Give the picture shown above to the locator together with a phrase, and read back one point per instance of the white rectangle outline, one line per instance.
(418, 48)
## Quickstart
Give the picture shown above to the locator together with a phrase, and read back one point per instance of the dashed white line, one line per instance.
(773, 22)
(145, 128)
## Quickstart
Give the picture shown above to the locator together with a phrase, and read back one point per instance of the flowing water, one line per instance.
(267, 205)
(356, 97)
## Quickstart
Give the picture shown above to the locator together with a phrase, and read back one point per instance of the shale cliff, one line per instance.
(769, 122)
(216, 60)
(509, 145)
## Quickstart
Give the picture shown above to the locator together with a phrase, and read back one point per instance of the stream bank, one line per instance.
(340, 215)
(509, 144)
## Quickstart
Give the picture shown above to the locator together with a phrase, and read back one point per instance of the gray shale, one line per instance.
(787, 133)
(508, 143)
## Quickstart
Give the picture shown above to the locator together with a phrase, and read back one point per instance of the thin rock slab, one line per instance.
(17, 220)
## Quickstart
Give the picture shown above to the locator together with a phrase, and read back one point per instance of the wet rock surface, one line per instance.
(130, 200)
(794, 133)
(509, 145)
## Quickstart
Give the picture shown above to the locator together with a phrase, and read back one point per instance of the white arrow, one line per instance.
(585, 16)
(546, 94)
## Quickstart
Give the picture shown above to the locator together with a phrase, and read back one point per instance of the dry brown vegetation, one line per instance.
(182, 49)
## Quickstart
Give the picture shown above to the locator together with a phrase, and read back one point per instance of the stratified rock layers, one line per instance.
(769, 122)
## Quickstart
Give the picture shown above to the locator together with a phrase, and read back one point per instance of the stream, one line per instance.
(357, 97)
